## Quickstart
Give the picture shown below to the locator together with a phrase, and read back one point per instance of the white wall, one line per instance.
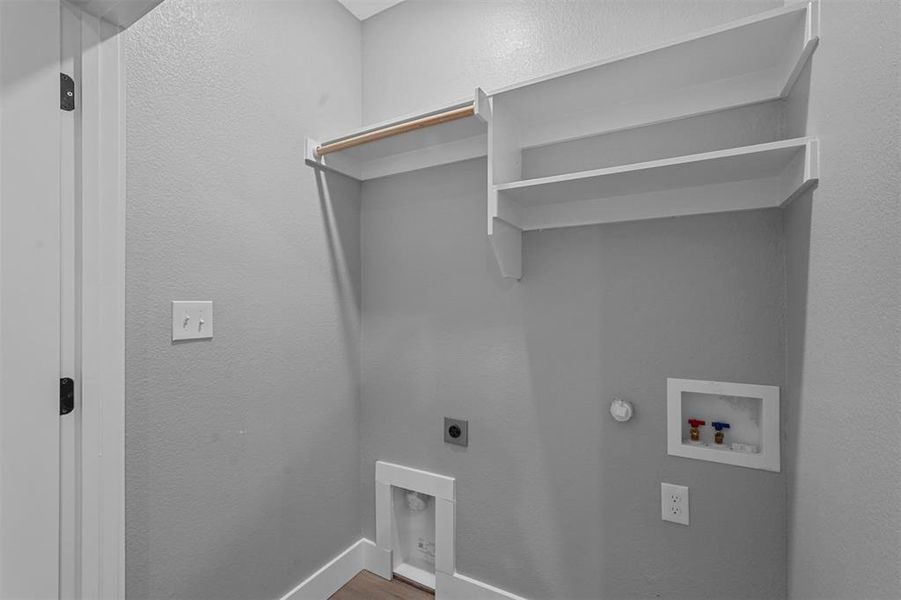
(844, 273)
(242, 452)
(555, 500)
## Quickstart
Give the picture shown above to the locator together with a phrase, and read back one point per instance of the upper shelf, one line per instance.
(752, 60)
(449, 134)
(749, 61)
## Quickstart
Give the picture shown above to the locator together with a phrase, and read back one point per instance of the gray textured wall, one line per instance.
(229, 493)
(242, 452)
(555, 500)
(844, 341)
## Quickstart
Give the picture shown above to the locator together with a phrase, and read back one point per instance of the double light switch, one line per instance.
(192, 320)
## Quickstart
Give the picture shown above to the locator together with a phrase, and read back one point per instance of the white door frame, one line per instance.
(95, 541)
(31, 287)
(92, 292)
(92, 533)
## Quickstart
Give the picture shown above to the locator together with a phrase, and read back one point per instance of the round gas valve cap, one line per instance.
(621, 410)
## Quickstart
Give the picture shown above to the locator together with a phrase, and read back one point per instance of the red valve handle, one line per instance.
(696, 422)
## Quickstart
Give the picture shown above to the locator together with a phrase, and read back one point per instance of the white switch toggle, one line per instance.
(192, 320)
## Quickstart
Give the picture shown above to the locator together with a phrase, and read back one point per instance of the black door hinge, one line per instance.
(66, 395)
(66, 92)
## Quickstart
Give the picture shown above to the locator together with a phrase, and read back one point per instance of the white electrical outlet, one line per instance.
(674, 503)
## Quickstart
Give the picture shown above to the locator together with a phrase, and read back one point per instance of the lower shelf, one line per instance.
(760, 176)
(751, 177)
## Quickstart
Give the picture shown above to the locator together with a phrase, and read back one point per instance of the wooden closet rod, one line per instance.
(392, 130)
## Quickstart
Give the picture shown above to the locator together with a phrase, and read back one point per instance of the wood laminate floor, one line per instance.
(366, 586)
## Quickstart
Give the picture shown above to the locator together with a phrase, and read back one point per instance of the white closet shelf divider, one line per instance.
(752, 60)
(445, 135)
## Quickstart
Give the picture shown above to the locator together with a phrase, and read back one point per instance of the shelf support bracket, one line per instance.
(506, 240)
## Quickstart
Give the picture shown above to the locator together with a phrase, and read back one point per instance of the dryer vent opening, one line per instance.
(414, 536)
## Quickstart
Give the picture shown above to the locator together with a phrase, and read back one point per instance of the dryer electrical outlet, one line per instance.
(674, 503)
(456, 431)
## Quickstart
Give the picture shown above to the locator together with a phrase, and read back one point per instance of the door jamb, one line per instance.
(102, 375)
(100, 526)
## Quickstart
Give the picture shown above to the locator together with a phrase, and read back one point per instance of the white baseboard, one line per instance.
(364, 554)
(376, 560)
(329, 579)
(461, 587)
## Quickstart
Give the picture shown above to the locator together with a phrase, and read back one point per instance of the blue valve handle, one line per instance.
(719, 425)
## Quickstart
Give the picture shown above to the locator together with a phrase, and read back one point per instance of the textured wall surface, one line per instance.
(555, 500)
(844, 342)
(242, 453)
(242, 472)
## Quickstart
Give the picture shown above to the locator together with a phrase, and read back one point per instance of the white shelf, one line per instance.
(753, 60)
(749, 61)
(760, 176)
(449, 142)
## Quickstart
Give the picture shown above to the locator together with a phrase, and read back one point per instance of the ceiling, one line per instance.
(120, 12)
(126, 12)
(363, 9)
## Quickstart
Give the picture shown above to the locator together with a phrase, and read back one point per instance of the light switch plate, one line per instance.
(674, 503)
(192, 320)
